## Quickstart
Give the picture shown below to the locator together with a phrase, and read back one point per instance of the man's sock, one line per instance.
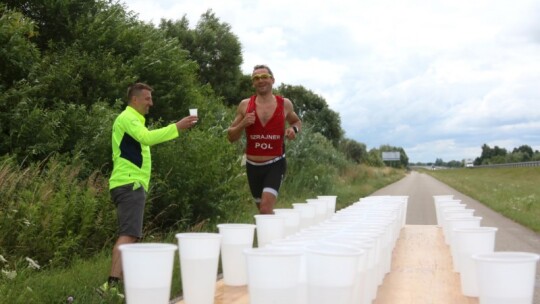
(113, 280)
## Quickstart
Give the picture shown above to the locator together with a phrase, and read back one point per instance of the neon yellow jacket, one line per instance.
(131, 141)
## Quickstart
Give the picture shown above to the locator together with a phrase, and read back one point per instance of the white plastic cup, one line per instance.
(148, 269)
(506, 277)
(464, 221)
(321, 207)
(444, 204)
(443, 197)
(307, 214)
(292, 220)
(274, 275)
(199, 257)
(376, 266)
(331, 201)
(365, 288)
(450, 212)
(235, 238)
(298, 245)
(270, 227)
(331, 273)
(193, 112)
(469, 241)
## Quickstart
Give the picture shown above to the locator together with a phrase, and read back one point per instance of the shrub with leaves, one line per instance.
(49, 214)
(198, 177)
(312, 163)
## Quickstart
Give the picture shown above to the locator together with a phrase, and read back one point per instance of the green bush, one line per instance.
(198, 177)
(313, 164)
(51, 216)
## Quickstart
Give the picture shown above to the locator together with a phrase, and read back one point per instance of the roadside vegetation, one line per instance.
(78, 245)
(512, 192)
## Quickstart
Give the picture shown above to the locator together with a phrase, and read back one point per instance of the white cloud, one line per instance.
(438, 78)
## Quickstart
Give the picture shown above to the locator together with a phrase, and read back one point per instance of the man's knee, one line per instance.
(267, 204)
(266, 209)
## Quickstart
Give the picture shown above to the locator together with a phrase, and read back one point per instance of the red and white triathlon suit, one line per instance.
(267, 140)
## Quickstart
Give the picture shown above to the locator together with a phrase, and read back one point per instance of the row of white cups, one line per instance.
(494, 277)
(306, 254)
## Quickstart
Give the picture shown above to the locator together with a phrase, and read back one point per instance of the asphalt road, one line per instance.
(421, 188)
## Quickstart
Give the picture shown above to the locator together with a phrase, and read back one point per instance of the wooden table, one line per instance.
(421, 270)
(421, 273)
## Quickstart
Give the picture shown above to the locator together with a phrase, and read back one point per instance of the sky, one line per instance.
(438, 78)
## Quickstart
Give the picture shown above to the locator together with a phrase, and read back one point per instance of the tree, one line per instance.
(51, 90)
(454, 164)
(526, 151)
(313, 110)
(179, 29)
(55, 20)
(491, 156)
(18, 53)
(375, 158)
(216, 50)
(354, 150)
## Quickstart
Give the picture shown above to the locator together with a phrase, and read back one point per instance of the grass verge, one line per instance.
(512, 192)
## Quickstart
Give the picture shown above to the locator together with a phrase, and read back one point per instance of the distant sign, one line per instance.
(388, 156)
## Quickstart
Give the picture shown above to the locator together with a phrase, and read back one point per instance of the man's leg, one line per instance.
(130, 212)
(116, 265)
(264, 183)
(268, 200)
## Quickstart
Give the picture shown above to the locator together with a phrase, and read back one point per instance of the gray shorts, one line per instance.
(129, 209)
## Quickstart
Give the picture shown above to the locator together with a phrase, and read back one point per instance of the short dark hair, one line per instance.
(136, 88)
(263, 66)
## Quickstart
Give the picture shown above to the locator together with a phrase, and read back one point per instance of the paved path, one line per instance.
(421, 187)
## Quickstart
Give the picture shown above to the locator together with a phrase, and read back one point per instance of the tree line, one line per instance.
(491, 156)
(65, 65)
(497, 155)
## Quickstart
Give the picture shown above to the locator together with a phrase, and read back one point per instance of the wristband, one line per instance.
(295, 129)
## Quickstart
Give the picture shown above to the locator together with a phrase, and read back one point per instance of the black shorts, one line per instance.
(265, 177)
(129, 209)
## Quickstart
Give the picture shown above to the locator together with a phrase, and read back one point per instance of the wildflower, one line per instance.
(32, 264)
(9, 274)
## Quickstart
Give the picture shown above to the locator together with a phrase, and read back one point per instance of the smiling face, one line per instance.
(262, 81)
(142, 101)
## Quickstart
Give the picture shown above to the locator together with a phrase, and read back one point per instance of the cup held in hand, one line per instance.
(193, 112)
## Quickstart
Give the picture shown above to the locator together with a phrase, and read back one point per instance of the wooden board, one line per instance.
(421, 273)
(229, 294)
(421, 270)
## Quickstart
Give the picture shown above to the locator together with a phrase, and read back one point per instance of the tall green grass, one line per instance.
(512, 192)
(50, 215)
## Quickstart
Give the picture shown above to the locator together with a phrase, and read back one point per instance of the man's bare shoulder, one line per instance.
(287, 103)
(244, 101)
(242, 106)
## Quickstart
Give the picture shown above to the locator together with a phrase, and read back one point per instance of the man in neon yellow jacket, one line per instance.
(132, 165)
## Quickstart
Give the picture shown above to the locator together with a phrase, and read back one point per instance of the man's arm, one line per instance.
(240, 122)
(295, 124)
